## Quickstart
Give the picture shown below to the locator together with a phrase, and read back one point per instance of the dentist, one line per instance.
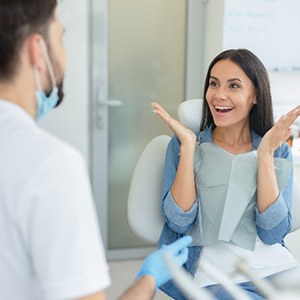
(51, 247)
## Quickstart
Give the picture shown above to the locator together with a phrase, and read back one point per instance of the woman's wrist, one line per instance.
(266, 158)
(263, 154)
(188, 146)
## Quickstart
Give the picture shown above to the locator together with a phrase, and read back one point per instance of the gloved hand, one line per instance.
(155, 264)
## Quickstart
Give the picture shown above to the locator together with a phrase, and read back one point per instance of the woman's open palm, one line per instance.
(184, 134)
(279, 133)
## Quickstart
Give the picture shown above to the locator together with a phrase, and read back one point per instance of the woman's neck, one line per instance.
(234, 140)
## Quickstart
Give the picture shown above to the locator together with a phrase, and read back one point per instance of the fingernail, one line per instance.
(154, 111)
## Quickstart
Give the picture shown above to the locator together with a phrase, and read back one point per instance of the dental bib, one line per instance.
(226, 191)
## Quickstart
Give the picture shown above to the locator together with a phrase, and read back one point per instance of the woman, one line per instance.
(237, 118)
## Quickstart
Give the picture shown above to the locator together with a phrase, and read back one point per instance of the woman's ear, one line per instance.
(254, 101)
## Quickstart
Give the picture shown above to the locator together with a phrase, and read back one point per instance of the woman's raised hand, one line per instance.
(184, 134)
(279, 133)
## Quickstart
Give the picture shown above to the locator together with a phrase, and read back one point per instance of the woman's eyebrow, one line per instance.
(213, 77)
(234, 79)
(229, 80)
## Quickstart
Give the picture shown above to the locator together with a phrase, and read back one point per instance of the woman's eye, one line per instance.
(234, 85)
(213, 83)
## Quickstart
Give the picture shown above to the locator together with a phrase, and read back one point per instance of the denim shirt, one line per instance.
(272, 225)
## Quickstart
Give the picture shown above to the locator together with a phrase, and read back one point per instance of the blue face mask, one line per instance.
(45, 103)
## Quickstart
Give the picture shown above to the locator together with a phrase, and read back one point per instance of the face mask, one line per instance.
(46, 103)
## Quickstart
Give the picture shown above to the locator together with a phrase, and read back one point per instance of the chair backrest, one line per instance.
(189, 113)
(143, 209)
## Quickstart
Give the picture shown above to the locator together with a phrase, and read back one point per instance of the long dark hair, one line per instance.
(19, 19)
(261, 114)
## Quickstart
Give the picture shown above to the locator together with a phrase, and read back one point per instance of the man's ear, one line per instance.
(35, 52)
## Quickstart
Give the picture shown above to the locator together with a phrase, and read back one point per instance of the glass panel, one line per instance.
(147, 62)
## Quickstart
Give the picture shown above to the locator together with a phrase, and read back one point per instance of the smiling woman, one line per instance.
(230, 96)
(220, 191)
(230, 93)
(246, 77)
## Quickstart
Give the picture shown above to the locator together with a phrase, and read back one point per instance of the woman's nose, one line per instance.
(221, 93)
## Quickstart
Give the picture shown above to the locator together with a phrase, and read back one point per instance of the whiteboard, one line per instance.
(269, 28)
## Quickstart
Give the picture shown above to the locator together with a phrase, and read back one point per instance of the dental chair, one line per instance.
(144, 208)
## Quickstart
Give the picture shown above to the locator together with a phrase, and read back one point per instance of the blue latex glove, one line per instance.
(155, 264)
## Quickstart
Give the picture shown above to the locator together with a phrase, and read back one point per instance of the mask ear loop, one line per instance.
(37, 78)
(48, 63)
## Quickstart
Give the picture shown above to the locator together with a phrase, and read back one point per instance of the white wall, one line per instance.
(70, 121)
(285, 90)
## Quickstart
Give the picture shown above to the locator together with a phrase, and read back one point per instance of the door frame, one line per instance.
(99, 94)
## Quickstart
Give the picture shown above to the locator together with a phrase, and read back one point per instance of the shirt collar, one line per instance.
(15, 110)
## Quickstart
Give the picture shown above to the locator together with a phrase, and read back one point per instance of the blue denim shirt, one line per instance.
(272, 225)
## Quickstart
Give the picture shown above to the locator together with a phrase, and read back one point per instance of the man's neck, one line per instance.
(16, 92)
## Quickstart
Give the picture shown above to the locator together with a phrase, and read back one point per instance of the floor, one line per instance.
(122, 275)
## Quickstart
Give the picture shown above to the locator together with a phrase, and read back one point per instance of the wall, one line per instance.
(285, 89)
(70, 121)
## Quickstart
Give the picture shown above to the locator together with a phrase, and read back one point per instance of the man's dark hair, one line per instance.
(19, 19)
(261, 114)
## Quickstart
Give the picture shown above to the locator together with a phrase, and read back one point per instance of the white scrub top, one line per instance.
(50, 245)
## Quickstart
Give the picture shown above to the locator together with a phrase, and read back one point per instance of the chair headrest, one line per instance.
(189, 113)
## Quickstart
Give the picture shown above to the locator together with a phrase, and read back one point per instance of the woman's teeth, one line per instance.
(223, 108)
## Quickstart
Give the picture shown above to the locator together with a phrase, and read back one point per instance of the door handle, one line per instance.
(100, 102)
(107, 103)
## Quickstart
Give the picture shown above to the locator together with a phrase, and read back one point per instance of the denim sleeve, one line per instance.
(176, 218)
(275, 223)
